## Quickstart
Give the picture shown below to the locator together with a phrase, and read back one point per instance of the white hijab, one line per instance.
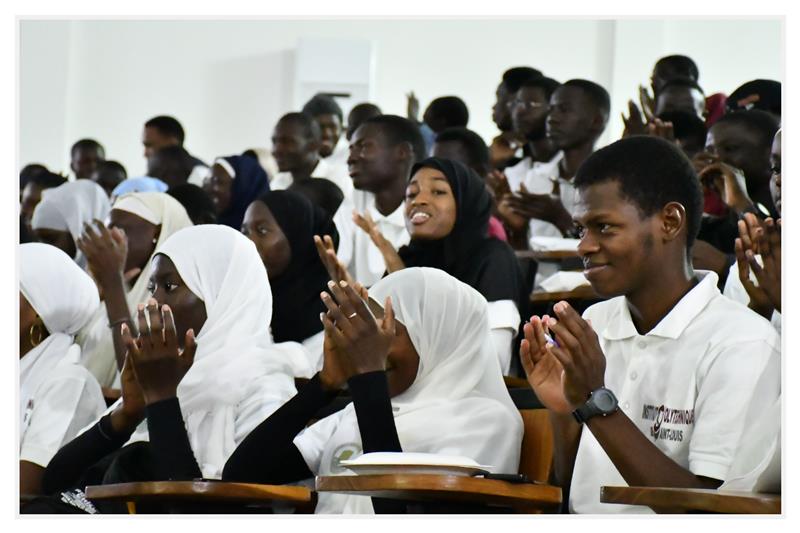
(65, 297)
(159, 209)
(458, 403)
(234, 346)
(68, 207)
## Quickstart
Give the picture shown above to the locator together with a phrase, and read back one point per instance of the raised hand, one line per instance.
(544, 371)
(327, 254)
(390, 255)
(106, 252)
(507, 213)
(729, 183)
(659, 128)
(498, 183)
(647, 102)
(131, 412)
(158, 361)
(634, 123)
(765, 239)
(362, 341)
(412, 107)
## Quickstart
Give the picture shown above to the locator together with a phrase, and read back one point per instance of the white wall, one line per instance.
(229, 81)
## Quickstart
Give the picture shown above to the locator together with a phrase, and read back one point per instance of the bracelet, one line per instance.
(118, 322)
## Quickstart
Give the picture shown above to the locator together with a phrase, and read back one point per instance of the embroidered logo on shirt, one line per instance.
(661, 415)
(344, 453)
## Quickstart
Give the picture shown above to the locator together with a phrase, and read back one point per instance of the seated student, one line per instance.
(442, 113)
(764, 95)
(681, 95)
(358, 115)
(207, 376)
(59, 218)
(171, 164)
(506, 149)
(57, 395)
(108, 175)
(197, 203)
(447, 212)
(28, 172)
(84, 158)
(232, 183)
(756, 280)
(120, 261)
(333, 145)
(467, 147)
(743, 140)
(139, 184)
(31, 194)
(296, 148)
(423, 378)
(382, 152)
(282, 225)
(162, 131)
(682, 359)
(529, 110)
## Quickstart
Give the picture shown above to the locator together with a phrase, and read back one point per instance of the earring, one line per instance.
(155, 241)
(38, 326)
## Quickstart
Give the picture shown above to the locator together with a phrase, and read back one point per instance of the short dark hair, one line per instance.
(29, 171)
(678, 66)
(682, 82)
(47, 180)
(196, 201)
(447, 112)
(309, 127)
(651, 172)
(397, 129)
(548, 85)
(596, 93)
(168, 126)
(685, 125)
(474, 145)
(515, 76)
(763, 123)
(322, 104)
(112, 166)
(756, 94)
(358, 114)
(88, 144)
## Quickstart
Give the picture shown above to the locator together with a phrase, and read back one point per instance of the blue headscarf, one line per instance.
(249, 183)
(141, 184)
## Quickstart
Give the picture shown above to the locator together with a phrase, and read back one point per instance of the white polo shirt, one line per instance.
(687, 385)
(323, 170)
(65, 402)
(366, 264)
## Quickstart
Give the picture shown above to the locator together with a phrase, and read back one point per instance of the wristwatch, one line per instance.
(601, 402)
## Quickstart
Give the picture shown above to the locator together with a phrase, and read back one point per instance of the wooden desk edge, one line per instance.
(683, 500)
(202, 490)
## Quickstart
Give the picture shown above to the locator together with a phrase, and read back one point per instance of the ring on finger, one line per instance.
(351, 316)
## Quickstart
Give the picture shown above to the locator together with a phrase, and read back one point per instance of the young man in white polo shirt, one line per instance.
(662, 374)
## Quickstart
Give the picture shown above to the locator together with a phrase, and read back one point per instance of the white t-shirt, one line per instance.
(323, 170)
(735, 291)
(504, 319)
(366, 263)
(687, 385)
(68, 400)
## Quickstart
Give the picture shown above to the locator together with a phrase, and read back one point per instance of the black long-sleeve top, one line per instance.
(268, 454)
(169, 442)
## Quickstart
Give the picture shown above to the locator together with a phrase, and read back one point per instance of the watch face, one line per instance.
(604, 400)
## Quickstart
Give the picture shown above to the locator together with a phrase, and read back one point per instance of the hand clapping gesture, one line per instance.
(764, 239)
(547, 207)
(158, 362)
(562, 374)
(390, 255)
(356, 342)
(106, 252)
(131, 412)
(327, 254)
(727, 181)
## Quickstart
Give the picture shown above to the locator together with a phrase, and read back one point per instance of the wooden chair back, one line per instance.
(536, 458)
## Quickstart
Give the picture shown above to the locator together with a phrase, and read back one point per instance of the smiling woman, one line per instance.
(232, 184)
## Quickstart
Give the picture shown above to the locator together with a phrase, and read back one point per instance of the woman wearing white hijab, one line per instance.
(57, 395)
(138, 224)
(216, 307)
(435, 362)
(59, 218)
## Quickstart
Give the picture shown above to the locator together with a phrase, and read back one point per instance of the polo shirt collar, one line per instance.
(677, 320)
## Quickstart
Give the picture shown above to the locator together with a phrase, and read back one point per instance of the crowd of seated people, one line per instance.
(194, 321)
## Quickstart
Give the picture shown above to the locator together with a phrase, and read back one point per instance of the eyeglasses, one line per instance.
(529, 104)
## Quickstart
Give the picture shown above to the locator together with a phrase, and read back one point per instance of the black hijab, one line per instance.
(295, 293)
(467, 252)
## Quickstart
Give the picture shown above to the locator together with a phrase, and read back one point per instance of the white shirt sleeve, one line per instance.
(263, 398)
(343, 219)
(312, 441)
(62, 406)
(313, 348)
(504, 322)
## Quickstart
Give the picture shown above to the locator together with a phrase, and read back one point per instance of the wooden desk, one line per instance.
(584, 292)
(522, 497)
(204, 492)
(672, 500)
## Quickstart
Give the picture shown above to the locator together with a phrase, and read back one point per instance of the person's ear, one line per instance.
(673, 221)
(404, 151)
